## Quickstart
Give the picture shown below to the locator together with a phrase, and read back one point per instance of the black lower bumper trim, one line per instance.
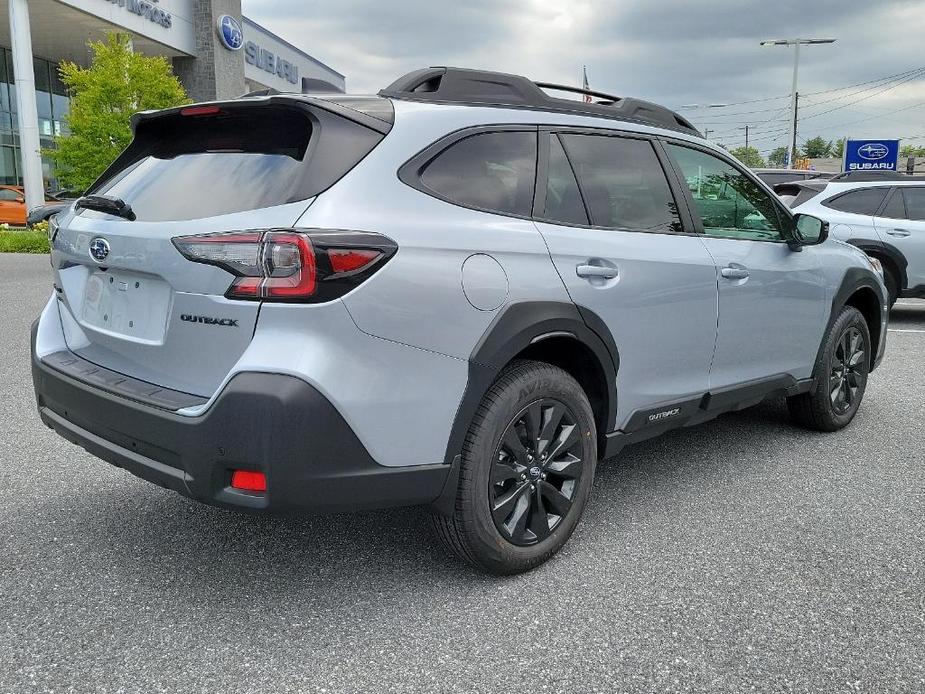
(269, 422)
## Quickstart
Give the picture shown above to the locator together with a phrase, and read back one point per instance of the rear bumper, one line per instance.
(269, 422)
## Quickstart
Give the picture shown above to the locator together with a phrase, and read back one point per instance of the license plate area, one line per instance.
(127, 304)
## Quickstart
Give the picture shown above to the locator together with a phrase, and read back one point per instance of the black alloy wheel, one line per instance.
(536, 471)
(848, 373)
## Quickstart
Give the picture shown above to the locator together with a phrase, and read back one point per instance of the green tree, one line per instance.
(912, 151)
(118, 83)
(838, 150)
(817, 148)
(749, 156)
(778, 157)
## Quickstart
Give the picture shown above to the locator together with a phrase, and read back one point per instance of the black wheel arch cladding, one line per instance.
(856, 282)
(524, 325)
(888, 253)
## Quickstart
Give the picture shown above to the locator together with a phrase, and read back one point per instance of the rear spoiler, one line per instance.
(793, 189)
(250, 102)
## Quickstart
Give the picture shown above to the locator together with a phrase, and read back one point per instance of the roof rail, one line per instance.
(868, 176)
(484, 88)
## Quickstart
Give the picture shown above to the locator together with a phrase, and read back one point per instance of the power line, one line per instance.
(863, 98)
(859, 84)
(880, 81)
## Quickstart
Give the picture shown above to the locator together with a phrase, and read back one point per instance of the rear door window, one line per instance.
(915, 203)
(488, 171)
(622, 182)
(563, 198)
(864, 201)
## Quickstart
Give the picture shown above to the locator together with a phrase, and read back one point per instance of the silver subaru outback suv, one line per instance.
(462, 292)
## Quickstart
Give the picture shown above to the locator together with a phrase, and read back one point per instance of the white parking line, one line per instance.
(903, 330)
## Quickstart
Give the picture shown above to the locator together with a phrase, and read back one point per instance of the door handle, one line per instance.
(898, 232)
(601, 271)
(734, 273)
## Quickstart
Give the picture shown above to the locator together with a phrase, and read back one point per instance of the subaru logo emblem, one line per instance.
(99, 249)
(229, 31)
(873, 151)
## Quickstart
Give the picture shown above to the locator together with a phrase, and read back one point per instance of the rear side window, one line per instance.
(623, 184)
(563, 199)
(863, 201)
(915, 203)
(490, 171)
(238, 159)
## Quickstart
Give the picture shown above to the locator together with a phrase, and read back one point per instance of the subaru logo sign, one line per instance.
(229, 31)
(99, 249)
(871, 155)
(873, 151)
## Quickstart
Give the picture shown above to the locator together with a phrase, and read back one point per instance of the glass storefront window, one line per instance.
(8, 161)
(52, 104)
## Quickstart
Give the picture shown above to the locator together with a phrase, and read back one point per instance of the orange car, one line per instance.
(12, 205)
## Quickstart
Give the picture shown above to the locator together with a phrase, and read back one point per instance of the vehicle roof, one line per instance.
(849, 185)
(798, 172)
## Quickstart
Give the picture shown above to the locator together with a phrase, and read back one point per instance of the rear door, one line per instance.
(617, 240)
(132, 302)
(772, 300)
(901, 224)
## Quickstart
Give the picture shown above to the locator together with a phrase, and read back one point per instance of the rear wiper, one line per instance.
(102, 203)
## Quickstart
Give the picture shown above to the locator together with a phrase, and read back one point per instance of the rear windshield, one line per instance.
(190, 167)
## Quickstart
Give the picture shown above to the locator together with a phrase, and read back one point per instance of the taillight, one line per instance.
(290, 265)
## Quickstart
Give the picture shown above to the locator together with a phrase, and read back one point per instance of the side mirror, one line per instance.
(809, 230)
(20, 198)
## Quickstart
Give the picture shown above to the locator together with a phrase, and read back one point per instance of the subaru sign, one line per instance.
(229, 32)
(871, 155)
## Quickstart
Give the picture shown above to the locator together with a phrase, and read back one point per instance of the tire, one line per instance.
(841, 376)
(504, 517)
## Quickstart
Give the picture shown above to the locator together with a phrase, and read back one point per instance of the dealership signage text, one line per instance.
(147, 9)
(265, 60)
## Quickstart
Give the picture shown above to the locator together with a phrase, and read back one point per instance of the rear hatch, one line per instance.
(132, 303)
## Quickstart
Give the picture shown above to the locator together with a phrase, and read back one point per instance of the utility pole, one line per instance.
(796, 43)
(745, 128)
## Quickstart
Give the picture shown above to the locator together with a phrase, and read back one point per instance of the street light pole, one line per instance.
(796, 43)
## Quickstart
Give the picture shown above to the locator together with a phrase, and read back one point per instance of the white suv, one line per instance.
(883, 215)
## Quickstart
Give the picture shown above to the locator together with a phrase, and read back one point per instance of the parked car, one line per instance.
(462, 292)
(882, 214)
(12, 205)
(54, 203)
(774, 176)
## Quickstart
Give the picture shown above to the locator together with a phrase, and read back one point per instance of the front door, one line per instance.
(616, 242)
(772, 300)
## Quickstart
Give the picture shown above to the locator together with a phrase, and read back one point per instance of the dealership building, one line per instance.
(216, 53)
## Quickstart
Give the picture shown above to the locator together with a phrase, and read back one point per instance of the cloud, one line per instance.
(675, 52)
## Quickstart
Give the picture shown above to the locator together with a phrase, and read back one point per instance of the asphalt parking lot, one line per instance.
(743, 555)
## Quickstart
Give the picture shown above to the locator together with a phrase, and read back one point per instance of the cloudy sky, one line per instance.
(675, 52)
